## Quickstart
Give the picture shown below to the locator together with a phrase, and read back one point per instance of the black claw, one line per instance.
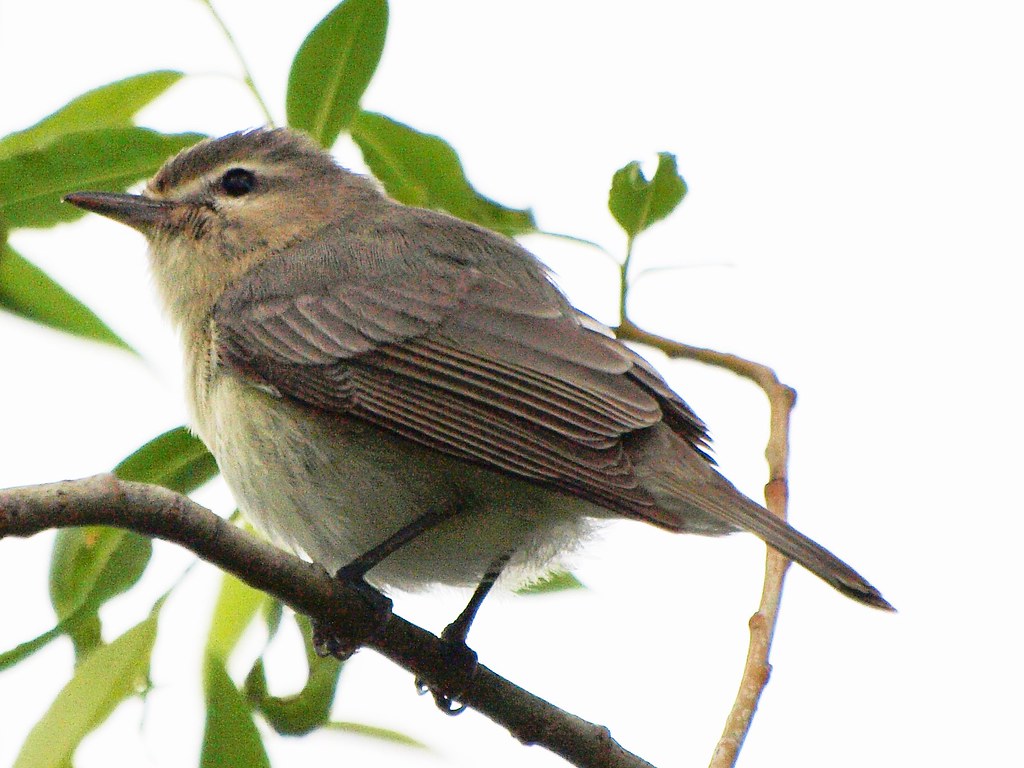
(445, 703)
(328, 641)
(327, 644)
(449, 706)
(461, 663)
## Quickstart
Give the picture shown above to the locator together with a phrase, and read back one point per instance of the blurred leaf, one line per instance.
(89, 566)
(374, 732)
(333, 67)
(94, 564)
(23, 650)
(236, 607)
(109, 675)
(273, 612)
(231, 738)
(558, 581)
(27, 291)
(306, 710)
(67, 626)
(110, 106)
(32, 183)
(177, 460)
(423, 170)
(637, 203)
(86, 636)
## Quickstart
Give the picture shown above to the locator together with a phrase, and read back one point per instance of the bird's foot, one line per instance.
(341, 643)
(460, 668)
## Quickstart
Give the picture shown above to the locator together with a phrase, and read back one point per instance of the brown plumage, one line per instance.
(430, 357)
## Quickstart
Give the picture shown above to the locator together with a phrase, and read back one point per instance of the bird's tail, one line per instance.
(693, 497)
(745, 514)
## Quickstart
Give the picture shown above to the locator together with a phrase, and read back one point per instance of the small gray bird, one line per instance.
(403, 395)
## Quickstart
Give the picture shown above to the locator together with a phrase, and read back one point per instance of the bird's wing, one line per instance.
(447, 352)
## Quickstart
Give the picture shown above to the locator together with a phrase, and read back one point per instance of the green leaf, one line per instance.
(231, 738)
(177, 460)
(27, 291)
(94, 564)
(23, 650)
(112, 105)
(273, 612)
(109, 675)
(32, 183)
(375, 732)
(68, 626)
(558, 581)
(333, 67)
(236, 607)
(423, 170)
(306, 710)
(637, 203)
(89, 566)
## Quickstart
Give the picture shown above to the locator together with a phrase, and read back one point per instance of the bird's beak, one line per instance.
(136, 211)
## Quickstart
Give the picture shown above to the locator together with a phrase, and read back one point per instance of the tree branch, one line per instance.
(307, 589)
(781, 399)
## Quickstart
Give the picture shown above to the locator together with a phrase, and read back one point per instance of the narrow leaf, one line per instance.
(306, 710)
(68, 626)
(637, 203)
(112, 105)
(559, 581)
(32, 183)
(333, 67)
(23, 650)
(236, 607)
(231, 738)
(27, 291)
(273, 612)
(90, 566)
(423, 170)
(177, 460)
(375, 732)
(109, 675)
(93, 564)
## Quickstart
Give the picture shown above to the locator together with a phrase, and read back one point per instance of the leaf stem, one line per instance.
(246, 73)
(624, 280)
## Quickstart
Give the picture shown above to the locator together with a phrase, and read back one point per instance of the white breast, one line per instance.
(334, 488)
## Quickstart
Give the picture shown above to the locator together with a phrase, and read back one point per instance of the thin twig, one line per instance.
(308, 589)
(781, 399)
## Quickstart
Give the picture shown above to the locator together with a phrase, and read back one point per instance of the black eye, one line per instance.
(237, 182)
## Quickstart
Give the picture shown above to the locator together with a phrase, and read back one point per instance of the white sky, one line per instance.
(853, 220)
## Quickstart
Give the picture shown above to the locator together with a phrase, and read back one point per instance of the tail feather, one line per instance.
(777, 533)
(693, 497)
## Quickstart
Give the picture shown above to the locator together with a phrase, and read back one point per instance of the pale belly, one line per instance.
(334, 488)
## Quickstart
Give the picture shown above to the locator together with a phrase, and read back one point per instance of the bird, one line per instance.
(407, 397)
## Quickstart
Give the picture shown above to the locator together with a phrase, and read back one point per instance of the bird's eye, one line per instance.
(237, 182)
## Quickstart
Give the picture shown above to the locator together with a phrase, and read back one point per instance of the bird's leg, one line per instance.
(461, 658)
(358, 568)
(327, 641)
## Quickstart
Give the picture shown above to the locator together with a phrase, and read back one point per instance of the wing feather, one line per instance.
(478, 356)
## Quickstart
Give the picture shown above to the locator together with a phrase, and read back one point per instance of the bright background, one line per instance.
(854, 220)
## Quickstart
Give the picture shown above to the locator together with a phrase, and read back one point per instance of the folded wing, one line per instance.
(448, 351)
